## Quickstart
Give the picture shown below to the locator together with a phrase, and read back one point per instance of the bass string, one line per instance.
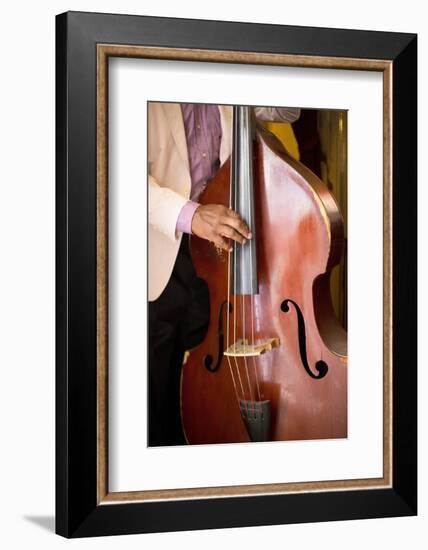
(244, 154)
(228, 327)
(234, 309)
(245, 349)
(235, 259)
(243, 151)
(253, 359)
(253, 342)
(238, 370)
(251, 226)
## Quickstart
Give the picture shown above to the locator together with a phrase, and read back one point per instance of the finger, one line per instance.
(238, 224)
(231, 233)
(222, 243)
(230, 212)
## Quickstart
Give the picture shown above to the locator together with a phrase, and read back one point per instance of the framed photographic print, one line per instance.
(236, 274)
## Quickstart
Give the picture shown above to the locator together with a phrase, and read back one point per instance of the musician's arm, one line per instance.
(165, 206)
(172, 214)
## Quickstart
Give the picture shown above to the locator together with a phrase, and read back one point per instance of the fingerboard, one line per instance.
(244, 264)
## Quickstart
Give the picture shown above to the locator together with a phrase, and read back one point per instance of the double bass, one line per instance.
(273, 363)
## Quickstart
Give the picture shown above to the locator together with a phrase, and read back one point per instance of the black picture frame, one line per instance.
(78, 511)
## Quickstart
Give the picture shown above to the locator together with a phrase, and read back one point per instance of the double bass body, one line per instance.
(298, 381)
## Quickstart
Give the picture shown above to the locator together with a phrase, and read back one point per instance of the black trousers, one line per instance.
(178, 321)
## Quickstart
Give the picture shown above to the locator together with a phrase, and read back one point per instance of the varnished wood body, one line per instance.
(299, 240)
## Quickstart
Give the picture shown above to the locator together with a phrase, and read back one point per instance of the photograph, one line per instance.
(247, 273)
(235, 234)
(212, 242)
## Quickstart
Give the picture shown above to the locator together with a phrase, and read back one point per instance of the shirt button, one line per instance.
(204, 155)
(198, 126)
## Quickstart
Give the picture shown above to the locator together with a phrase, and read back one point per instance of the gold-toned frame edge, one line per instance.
(104, 51)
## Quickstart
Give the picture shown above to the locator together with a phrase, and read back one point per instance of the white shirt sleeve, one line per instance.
(277, 114)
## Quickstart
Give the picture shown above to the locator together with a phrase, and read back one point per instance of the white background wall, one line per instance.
(27, 88)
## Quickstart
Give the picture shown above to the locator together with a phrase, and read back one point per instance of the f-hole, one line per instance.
(208, 359)
(320, 366)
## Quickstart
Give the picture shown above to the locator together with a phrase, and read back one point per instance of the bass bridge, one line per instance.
(241, 348)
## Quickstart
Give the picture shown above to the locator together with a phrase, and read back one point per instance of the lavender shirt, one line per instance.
(202, 126)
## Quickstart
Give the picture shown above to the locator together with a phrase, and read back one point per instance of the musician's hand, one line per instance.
(218, 224)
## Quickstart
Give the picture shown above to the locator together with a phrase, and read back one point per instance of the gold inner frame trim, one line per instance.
(104, 51)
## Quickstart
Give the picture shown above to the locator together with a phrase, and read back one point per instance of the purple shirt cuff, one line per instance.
(184, 221)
